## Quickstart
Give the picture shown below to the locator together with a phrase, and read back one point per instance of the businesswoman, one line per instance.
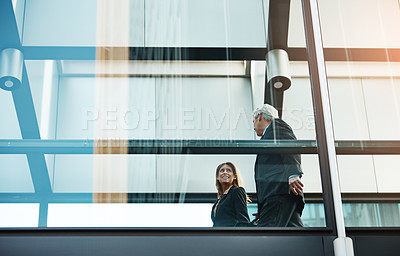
(230, 209)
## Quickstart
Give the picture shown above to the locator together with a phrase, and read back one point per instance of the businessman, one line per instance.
(277, 176)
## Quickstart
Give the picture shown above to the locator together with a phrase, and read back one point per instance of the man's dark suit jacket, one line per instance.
(272, 171)
(231, 209)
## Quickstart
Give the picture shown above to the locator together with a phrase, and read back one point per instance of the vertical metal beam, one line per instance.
(43, 212)
(278, 24)
(324, 124)
(30, 130)
(25, 110)
(319, 119)
(8, 26)
(278, 28)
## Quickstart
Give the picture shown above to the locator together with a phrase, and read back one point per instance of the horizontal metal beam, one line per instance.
(145, 53)
(159, 146)
(278, 24)
(310, 198)
(8, 30)
(368, 147)
(350, 54)
(209, 54)
(154, 232)
(59, 53)
(50, 198)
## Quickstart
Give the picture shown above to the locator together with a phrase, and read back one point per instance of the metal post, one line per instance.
(11, 64)
(278, 69)
(43, 213)
(343, 245)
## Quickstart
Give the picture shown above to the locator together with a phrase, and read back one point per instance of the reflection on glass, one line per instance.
(371, 215)
(124, 99)
(106, 76)
(364, 90)
(378, 181)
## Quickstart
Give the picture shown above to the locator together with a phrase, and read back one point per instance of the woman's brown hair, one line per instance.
(236, 182)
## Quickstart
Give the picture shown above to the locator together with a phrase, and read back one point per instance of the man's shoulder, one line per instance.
(279, 123)
(282, 129)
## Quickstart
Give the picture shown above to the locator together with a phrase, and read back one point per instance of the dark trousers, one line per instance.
(281, 211)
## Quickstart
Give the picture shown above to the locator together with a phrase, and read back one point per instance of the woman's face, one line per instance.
(226, 175)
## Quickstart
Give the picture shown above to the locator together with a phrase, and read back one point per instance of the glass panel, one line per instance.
(370, 178)
(363, 83)
(19, 11)
(148, 215)
(177, 23)
(129, 106)
(314, 215)
(44, 84)
(164, 173)
(129, 215)
(145, 105)
(351, 168)
(387, 173)
(22, 215)
(174, 181)
(365, 108)
(299, 113)
(60, 23)
(296, 32)
(15, 176)
(7, 112)
(360, 23)
(371, 215)
(351, 24)
(364, 88)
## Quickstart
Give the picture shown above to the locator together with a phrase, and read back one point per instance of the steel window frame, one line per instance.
(193, 53)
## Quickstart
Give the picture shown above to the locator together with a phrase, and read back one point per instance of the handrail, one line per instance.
(187, 146)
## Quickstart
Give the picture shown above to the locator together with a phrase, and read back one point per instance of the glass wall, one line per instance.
(127, 108)
(361, 47)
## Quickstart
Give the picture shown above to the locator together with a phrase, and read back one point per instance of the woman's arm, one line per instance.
(240, 207)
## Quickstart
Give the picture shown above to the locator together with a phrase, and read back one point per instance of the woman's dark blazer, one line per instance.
(231, 209)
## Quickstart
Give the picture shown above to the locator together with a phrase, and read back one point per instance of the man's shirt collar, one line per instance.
(265, 129)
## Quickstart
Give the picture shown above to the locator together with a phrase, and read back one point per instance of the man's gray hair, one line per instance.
(267, 111)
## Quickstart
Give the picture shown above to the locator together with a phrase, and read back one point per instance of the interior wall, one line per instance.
(352, 24)
(201, 23)
(363, 108)
(185, 108)
(158, 108)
